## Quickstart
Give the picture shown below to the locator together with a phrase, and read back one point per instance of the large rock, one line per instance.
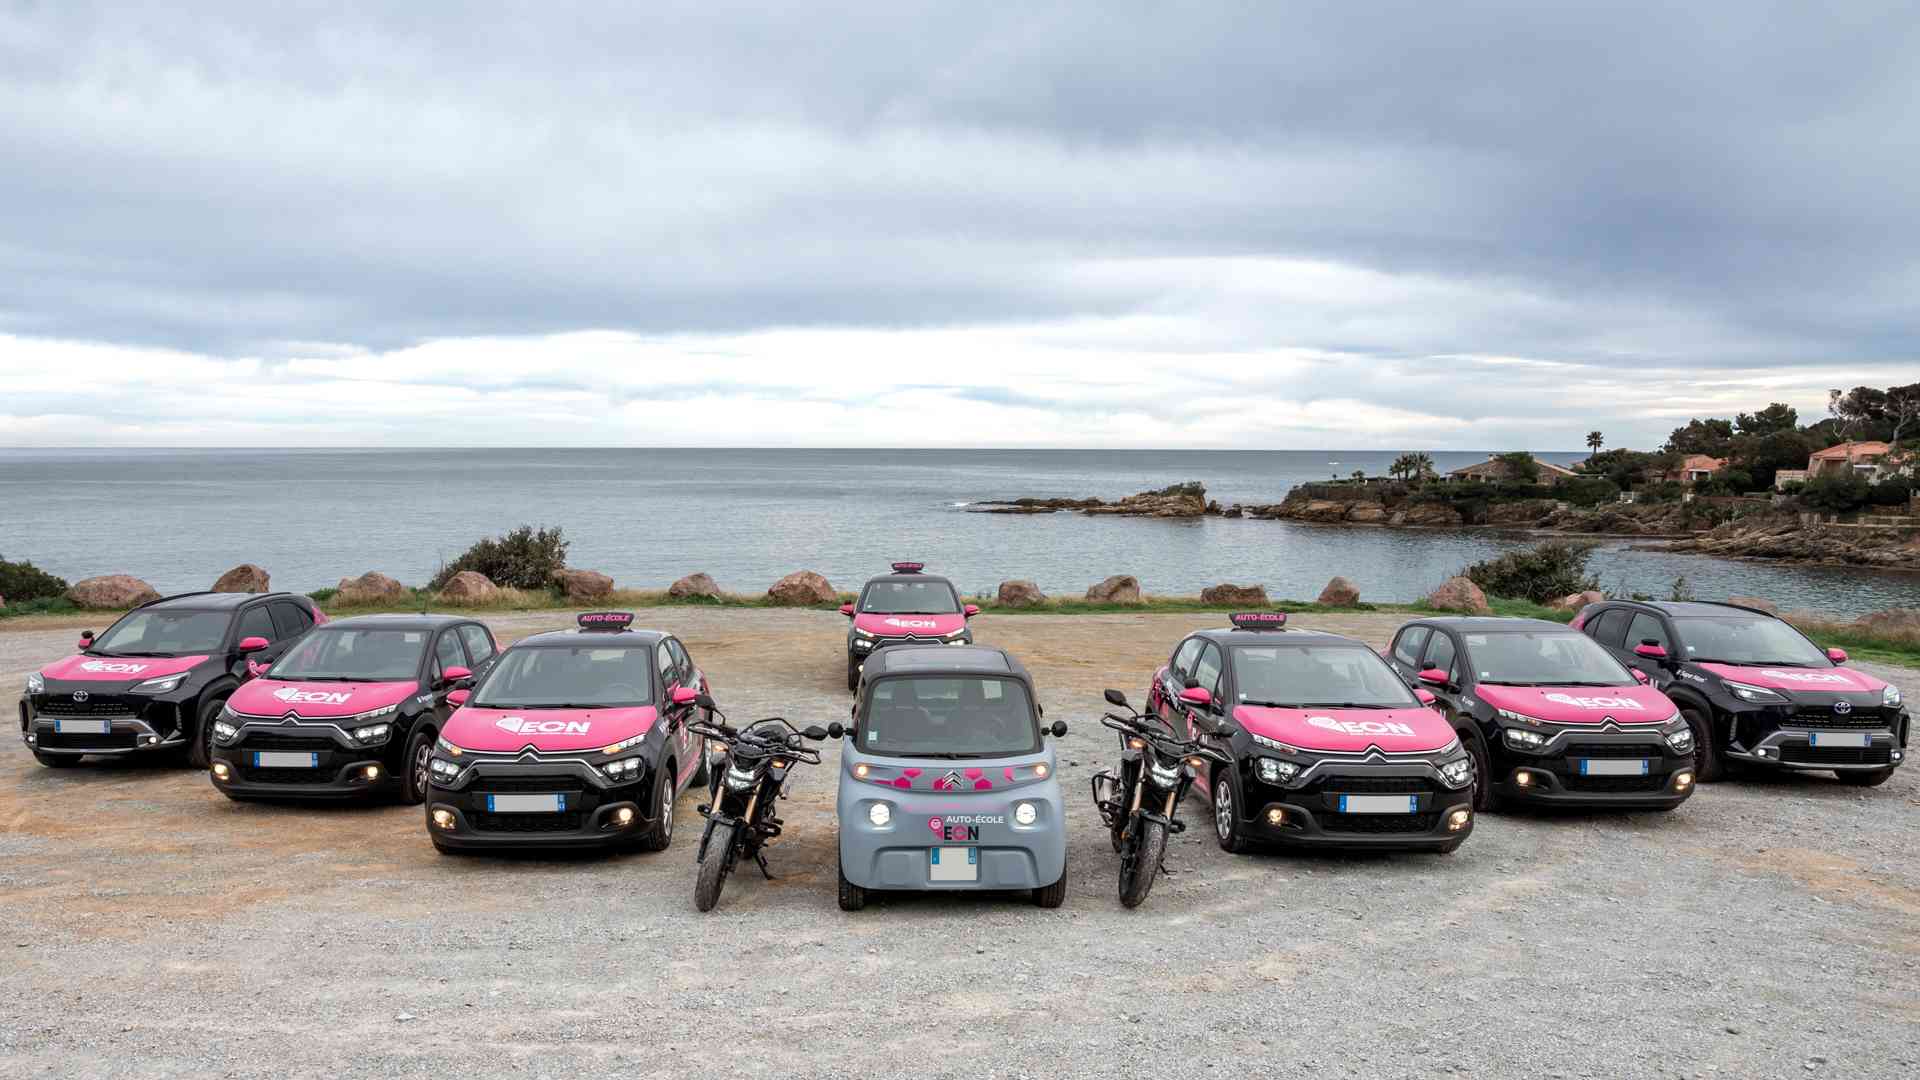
(470, 587)
(1362, 513)
(372, 587)
(1019, 594)
(802, 587)
(1459, 594)
(1340, 593)
(244, 578)
(1576, 601)
(111, 592)
(1900, 620)
(1765, 605)
(1118, 589)
(583, 585)
(1235, 595)
(694, 586)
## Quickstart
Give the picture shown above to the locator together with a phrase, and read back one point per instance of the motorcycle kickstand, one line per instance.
(760, 857)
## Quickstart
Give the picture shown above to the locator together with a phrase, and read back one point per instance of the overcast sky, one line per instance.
(1466, 225)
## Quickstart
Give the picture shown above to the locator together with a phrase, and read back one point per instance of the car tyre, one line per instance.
(1052, 896)
(1486, 800)
(1229, 824)
(853, 674)
(56, 761)
(661, 835)
(200, 747)
(413, 781)
(1708, 766)
(852, 897)
(1868, 778)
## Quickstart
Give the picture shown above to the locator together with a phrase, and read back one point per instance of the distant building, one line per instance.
(1493, 471)
(1695, 469)
(1788, 476)
(1873, 460)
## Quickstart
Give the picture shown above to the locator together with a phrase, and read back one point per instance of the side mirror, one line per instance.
(1194, 695)
(704, 701)
(1117, 699)
(459, 697)
(836, 730)
(1838, 656)
(253, 644)
(1426, 696)
(86, 640)
(847, 610)
(971, 610)
(815, 732)
(1433, 676)
(1640, 676)
(1059, 728)
(684, 696)
(1651, 650)
(455, 674)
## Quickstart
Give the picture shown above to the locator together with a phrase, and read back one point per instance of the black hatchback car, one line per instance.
(158, 676)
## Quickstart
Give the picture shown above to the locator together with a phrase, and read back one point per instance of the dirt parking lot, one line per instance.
(1769, 928)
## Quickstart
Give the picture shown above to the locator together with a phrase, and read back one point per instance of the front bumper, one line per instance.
(1810, 735)
(459, 814)
(899, 854)
(1312, 815)
(859, 648)
(1574, 772)
(340, 769)
(107, 725)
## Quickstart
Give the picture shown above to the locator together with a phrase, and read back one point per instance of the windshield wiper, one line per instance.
(1273, 704)
(1348, 705)
(1512, 682)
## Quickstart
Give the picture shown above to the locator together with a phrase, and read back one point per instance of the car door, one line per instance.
(1164, 700)
(1404, 655)
(1609, 628)
(1207, 673)
(678, 667)
(447, 653)
(1645, 626)
(256, 621)
(481, 648)
(1443, 653)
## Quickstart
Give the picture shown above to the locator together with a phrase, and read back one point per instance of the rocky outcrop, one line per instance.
(246, 578)
(1235, 595)
(1178, 501)
(1525, 512)
(802, 588)
(372, 587)
(1576, 601)
(1118, 589)
(469, 587)
(583, 586)
(1429, 514)
(1900, 621)
(1782, 536)
(1340, 593)
(694, 587)
(1019, 594)
(1459, 594)
(1756, 602)
(111, 592)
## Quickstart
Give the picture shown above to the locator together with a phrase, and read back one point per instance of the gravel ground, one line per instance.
(1766, 929)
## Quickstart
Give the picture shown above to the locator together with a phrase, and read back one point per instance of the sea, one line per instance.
(179, 518)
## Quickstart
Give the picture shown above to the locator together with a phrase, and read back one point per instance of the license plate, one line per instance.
(1841, 738)
(269, 759)
(1379, 804)
(83, 727)
(954, 864)
(1613, 766)
(526, 804)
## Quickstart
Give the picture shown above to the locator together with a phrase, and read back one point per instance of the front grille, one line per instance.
(1837, 755)
(538, 785)
(1614, 784)
(102, 706)
(1371, 785)
(1615, 750)
(116, 740)
(527, 823)
(1827, 718)
(1379, 823)
(317, 744)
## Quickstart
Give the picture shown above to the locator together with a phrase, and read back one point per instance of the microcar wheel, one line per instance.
(1052, 896)
(852, 897)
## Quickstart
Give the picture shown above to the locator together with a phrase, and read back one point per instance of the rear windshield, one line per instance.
(1750, 639)
(1547, 658)
(165, 633)
(569, 677)
(347, 655)
(1345, 676)
(910, 598)
(970, 716)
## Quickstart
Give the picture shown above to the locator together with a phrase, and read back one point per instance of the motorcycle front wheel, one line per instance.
(713, 871)
(1137, 873)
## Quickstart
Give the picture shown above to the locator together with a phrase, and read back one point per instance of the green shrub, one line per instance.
(1193, 488)
(1547, 572)
(522, 559)
(1893, 491)
(20, 581)
(1836, 493)
(1590, 491)
(1663, 492)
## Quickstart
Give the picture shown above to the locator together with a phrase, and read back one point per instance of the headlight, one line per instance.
(1758, 694)
(862, 634)
(1164, 776)
(1275, 772)
(957, 634)
(446, 747)
(879, 813)
(862, 644)
(444, 770)
(1679, 737)
(162, 685)
(375, 714)
(1521, 739)
(624, 744)
(223, 731)
(738, 780)
(625, 769)
(1024, 814)
(1457, 773)
(38, 685)
(1274, 744)
(372, 734)
(1890, 697)
(1518, 718)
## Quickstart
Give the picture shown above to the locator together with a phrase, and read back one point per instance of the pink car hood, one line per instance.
(317, 700)
(1833, 680)
(118, 668)
(503, 731)
(884, 625)
(1581, 704)
(1410, 730)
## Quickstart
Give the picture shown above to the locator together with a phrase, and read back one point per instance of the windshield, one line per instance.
(1750, 640)
(1349, 676)
(569, 677)
(353, 656)
(1547, 658)
(971, 716)
(164, 633)
(910, 598)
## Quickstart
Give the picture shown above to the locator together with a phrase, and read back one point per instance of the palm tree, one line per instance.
(1595, 441)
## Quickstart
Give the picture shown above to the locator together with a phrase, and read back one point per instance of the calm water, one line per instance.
(178, 518)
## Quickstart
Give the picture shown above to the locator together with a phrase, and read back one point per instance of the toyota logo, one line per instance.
(79, 695)
(1843, 707)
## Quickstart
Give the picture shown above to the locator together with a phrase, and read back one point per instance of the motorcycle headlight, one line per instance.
(1271, 771)
(1522, 739)
(165, 684)
(624, 769)
(1025, 814)
(1679, 736)
(1457, 773)
(1759, 695)
(1164, 775)
(372, 734)
(224, 732)
(1890, 697)
(738, 780)
(38, 685)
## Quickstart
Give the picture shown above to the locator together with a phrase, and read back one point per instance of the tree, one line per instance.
(1710, 437)
(1774, 418)
(1412, 466)
(1518, 466)
(1595, 441)
(1866, 413)
(1761, 456)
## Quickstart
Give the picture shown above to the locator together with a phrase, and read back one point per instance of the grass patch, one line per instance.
(46, 605)
(1901, 649)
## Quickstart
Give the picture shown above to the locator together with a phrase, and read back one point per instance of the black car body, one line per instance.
(352, 711)
(1756, 690)
(1549, 718)
(575, 739)
(158, 675)
(906, 607)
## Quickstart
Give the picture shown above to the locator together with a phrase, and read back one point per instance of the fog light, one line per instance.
(1896, 755)
(879, 813)
(373, 772)
(443, 819)
(1276, 816)
(1458, 819)
(1025, 814)
(623, 816)
(1041, 770)
(1760, 752)
(1682, 780)
(31, 739)
(149, 740)
(1523, 778)
(221, 771)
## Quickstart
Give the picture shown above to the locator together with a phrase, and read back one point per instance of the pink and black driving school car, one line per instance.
(1330, 748)
(1548, 715)
(155, 680)
(350, 711)
(575, 738)
(906, 607)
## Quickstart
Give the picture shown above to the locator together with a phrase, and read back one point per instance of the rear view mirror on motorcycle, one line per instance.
(1117, 699)
(1059, 728)
(815, 732)
(836, 730)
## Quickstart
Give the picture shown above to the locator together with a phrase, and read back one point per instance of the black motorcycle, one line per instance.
(1157, 767)
(740, 819)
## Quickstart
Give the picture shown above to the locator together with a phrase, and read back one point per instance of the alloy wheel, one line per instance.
(1223, 808)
